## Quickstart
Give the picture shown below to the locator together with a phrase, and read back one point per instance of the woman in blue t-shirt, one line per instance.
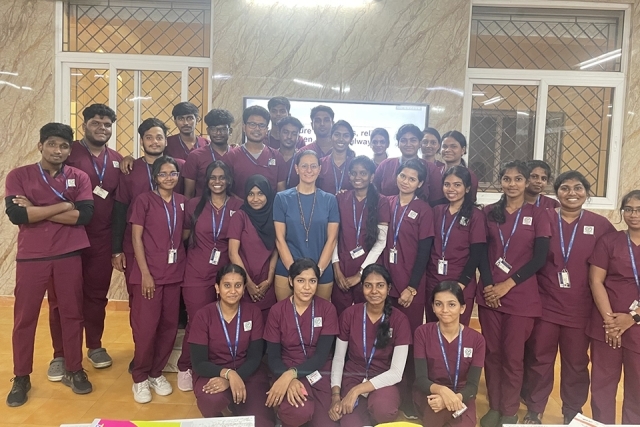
(306, 220)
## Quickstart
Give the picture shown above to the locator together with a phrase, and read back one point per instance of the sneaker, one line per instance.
(141, 392)
(99, 358)
(56, 369)
(160, 385)
(18, 394)
(185, 380)
(78, 381)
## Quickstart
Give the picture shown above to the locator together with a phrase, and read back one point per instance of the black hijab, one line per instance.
(262, 219)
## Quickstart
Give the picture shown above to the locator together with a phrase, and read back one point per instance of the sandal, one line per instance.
(531, 418)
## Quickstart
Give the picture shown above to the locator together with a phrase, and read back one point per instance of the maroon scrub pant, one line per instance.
(606, 368)
(257, 385)
(33, 278)
(444, 417)
(315, 410)
(155, 325)
(542, 349)
(381, 406)
(195, 297)
(343, 300)
(505, 336)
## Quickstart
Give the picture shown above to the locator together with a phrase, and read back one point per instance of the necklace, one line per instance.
(306, 226)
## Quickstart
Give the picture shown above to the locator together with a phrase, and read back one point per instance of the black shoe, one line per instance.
(569, 418)
(78, 381)
(18, 394)
(130, 366)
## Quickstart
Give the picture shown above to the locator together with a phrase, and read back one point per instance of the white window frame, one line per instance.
(545, 78)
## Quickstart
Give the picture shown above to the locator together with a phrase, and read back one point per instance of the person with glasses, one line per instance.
(540, 176)
(334, 169)
(290, 128)
(253, 157)
(379, 144)
(614, 327)
(219, 129)
(306, 221)
(207, 220)
(185, 117)
(157, 219)
(430, 147)
(279, 108)
(321, 123)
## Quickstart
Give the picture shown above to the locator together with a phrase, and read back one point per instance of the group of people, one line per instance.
(307, 272)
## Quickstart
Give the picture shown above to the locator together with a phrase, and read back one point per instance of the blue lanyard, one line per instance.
(172, 229)
(633, 262)
(538, 201)
(567, 252)
(213, 221)
(293, 160)
(56, 192)
(335, 175)
(250, 156)
(233, 350)
(515, 225)
(445, 238)
(396, 230)
(454, 381)
(313, 316)
(358, 224)
(151, 184)
(95, 166)
(364, 341)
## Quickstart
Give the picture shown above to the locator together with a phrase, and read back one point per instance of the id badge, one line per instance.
(634, 305)
(314, 377)
(393, 256)
(563, 279)
(100, 192)
(173, 256)
(459, 412)
(272, 162)
(365, 394)
(503, 265)
(214, 259)
(357, 252)
(443, 267)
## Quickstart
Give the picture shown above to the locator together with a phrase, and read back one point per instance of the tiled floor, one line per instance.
(51, 404)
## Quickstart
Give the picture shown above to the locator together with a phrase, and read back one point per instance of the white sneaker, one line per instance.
(141, 392)
(185, 380)
(160, 385)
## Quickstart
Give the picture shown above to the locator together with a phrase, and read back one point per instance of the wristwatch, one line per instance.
(636, 317)
(413, 291)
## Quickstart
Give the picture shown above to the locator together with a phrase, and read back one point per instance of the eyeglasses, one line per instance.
(164, 175)
(215, 178)
(306, 167)
(218, 129)
(631, 211)
(253, 125)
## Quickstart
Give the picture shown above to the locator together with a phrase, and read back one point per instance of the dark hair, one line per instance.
(409, 128)
(231, 268)
(162, 160)
(448, 286)
(56, 129)
(255, 110)
(279, 100)
(373, 197)
(633, 194)
(468, 204)
(206, 194)
(303, 153)
(184, 109)
(380, 131)
(217, 117)
(382, 335)
(434, 132)
(149, 123)
(532, 164)
(318, 108)
(566, 176)
(345, 124)
(100, 110)
(303, 264)
(497, 212)
(416, 165)
(289, 121)
(458, 136)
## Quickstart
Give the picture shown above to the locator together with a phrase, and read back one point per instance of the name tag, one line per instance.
(357, 252)
(413, 214)
(563, 279)
(173, 256)
(116, 164)
(214, 259)
(100, 192)
(182, 206)
(317, 322)
(393, 256)
(503, 265)
(314, 377)
(633, 306)
(527, 220)
(468, 352)
(71, 182)
(443, 266)
(247, 325)
(464, 221)
(272, 162)
(390, 332)
(588, 229)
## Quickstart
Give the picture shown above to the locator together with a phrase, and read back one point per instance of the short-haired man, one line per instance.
(279, 107)
(51, 203)
(321, 123)
(290, 128)
(185, 117)
(219, 129)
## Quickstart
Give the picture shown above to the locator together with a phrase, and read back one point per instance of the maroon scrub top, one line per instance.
(611, 253)
(546, 202)
(386, 182)
(417, 224)
(570, 306)
(199, 271)
(314, 147)
(427, 346)
(293, 178)
(281, 328)
(243, 165)
(45, 239)
(196, 166)
(347, 235)
(148, 211)
(178, 150)
(351, 332)
(524, 299)
(275, 143)
(329, 172)
(81, 158)
(206, 329)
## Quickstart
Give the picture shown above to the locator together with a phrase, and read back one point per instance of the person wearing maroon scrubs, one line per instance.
(300, 332)
(206, 224)
(379, 142)
(50, 203)
(430, 147)
(252, 243)
(460, 240)
(362, 237)
(279, 108)
(185, 117)
(253, 157)
(508, 302)
(157, 219)
(290, 128)
(566, 303)
(334, 169)
(614, 327)
(229, 380)
(219, 129)
(540, 176)
(409, 137)
(321, 123)
(453, 148)
(449, 357)
(376, 336)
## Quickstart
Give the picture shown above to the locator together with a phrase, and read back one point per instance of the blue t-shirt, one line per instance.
(286, 209)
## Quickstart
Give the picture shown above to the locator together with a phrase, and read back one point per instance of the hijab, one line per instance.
(262, 219)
